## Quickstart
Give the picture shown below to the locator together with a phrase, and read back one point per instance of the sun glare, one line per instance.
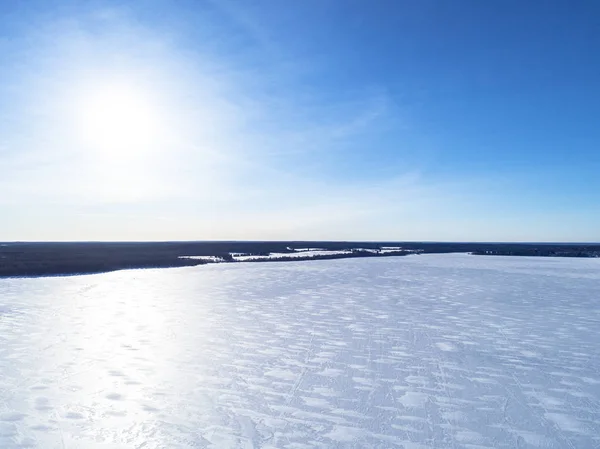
(118, 120)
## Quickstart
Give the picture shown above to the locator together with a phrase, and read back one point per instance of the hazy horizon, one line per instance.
(482, 242)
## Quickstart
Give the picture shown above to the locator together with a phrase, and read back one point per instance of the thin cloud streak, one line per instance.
(236, 162)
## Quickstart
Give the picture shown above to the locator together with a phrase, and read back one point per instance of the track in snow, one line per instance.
(446, 351)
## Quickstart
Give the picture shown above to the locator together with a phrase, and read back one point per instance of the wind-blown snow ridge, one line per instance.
(444, 351)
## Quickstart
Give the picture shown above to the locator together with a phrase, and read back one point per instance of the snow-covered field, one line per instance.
(444, 351)
(299, 253)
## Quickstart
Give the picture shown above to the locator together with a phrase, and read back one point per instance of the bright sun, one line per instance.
(118, 120)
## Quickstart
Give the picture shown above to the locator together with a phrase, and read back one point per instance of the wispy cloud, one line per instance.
(238, 161)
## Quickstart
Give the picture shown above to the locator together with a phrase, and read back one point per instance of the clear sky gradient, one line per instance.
(317, 119)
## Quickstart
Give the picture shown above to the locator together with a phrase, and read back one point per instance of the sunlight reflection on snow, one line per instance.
(452, 351)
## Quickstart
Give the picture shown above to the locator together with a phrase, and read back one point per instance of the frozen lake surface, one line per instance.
(441, 351)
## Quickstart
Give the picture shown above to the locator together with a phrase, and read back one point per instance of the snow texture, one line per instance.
(297, 253)
(444, 351)
(209, 259)
(300, 253)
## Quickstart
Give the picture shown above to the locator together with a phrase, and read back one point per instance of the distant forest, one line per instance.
(47, 259)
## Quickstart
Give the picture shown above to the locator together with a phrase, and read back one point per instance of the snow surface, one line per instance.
(210, 259)
(304, 253)
(444, 351)
(306, 249)
(300, 253)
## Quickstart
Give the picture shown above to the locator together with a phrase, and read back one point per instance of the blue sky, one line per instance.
(344, 120)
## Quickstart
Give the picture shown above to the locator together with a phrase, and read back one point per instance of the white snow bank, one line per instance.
(307, 249)
(211, 259)
(307, 253)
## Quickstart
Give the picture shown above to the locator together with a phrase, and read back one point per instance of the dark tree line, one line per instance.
(43, 259)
